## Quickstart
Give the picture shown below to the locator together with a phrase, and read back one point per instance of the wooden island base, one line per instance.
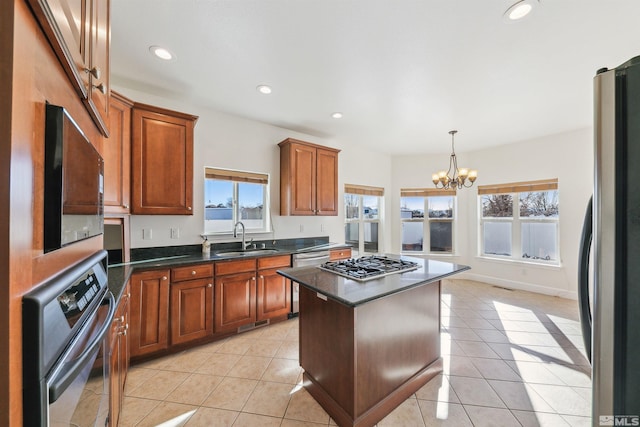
(379, 411)
(362, 361)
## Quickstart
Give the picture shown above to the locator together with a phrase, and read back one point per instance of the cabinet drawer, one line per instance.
(189, 272)
(274, 262)
(337, 254)
(236, 266)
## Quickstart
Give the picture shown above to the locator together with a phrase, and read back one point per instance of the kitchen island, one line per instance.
(366, 346)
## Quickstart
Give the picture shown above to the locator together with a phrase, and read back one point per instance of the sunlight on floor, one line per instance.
(178, 421)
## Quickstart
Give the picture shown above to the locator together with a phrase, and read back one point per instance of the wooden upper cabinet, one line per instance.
(79, 32)
(116, 152)
(99, 63)
(308, 178)
(327, 182)
(162, 161)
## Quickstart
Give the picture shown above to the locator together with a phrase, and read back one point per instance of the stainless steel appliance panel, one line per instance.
(604, 244)
(304, 259)
(616, 231)
(65, 347)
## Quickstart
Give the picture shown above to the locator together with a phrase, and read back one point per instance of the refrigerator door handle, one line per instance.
(583, 277)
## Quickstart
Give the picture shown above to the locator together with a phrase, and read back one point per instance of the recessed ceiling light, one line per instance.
(264, 89)
(162, 53)
(519, 10)
(337, 115)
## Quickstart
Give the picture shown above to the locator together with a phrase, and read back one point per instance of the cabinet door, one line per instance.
(191, 310)
(149, 331)
(274, 295)
(67, 25)
(119, 360)
(162, 163)
(100, 38)
(116, 152)
(303, 180)
(327, 183)
(235, 301)
(115, 394)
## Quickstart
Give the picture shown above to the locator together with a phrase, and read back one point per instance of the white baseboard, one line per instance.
(522, 286)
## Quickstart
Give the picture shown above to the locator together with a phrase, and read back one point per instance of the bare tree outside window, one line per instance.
(497, 205)
(539, 204)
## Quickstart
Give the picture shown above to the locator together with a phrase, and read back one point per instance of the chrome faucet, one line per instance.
(235, 234)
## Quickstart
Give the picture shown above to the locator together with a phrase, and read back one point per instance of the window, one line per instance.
(231, 196)
(520, 220)
(363, 207)
(436, 228)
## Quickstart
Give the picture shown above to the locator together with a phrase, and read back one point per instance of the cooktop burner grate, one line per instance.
(368, 267)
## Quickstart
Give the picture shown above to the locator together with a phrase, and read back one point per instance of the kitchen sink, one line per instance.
(247, 252)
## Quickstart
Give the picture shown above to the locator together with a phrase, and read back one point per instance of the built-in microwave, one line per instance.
(73, 182)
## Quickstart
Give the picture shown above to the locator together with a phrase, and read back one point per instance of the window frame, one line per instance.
(237, 177)
(361, 192)
(516, 221)
(426, 221)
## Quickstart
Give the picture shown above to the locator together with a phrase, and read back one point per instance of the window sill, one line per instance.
(520, 262)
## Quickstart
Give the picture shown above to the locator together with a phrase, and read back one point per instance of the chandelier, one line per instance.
(454, 177)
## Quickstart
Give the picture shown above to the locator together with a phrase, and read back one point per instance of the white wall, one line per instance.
(567, 156)
(227, 141)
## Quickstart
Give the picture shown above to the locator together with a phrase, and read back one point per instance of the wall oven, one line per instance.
(65, 347)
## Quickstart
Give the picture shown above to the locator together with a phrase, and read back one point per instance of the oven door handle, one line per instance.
(67, 375)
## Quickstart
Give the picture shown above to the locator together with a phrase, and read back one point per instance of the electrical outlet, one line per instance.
(146, 234)
(175, 233)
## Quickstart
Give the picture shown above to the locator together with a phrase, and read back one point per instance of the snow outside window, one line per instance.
(520, 225)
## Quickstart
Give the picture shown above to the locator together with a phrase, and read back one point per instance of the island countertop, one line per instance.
(353, 293)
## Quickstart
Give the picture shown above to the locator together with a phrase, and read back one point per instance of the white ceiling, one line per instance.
(403, 72)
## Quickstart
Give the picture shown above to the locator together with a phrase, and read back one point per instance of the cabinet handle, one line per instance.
(123, 333)
(125, 206)
(126, 326)
(164, 277)
(193, 272)
(95, 72)
(101, 88)
(128, 294)
(253, 278)
(188, 208)
(261, 277)
(209, 285)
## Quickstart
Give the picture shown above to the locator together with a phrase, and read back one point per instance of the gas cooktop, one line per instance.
(368, 267)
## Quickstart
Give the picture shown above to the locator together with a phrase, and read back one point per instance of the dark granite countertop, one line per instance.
(353, 293)
(156, 258)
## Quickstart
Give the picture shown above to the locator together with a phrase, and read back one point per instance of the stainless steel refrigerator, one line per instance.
(611, 317)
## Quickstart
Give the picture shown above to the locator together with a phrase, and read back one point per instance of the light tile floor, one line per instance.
(511, 358)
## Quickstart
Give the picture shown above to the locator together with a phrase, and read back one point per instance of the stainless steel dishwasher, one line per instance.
(304, 259)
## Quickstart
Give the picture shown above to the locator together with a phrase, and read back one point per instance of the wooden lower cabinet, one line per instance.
(175, 306)
(149, 312)
(253, 293)
(274, 290)
(119, 357)
(338, 254)
(235, 301)
(191, 310)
